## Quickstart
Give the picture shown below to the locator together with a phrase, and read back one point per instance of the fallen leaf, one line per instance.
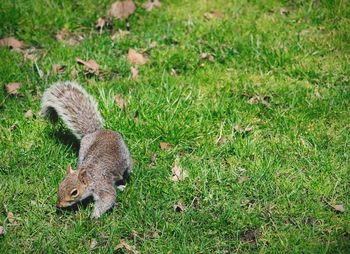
(179, 207)
(28, 114)
(12, 88)
(165, 145)
(11, 42)
(134, 73)
(178, 174)
(119, 100)
(136, 58)
(73, 73)
(151, 4)
(124, 245)
(100, 23)
(173, 72)
(195, 203)
(119, 34)
(69, 38)
(122, 9)
(254, 100)
(11, 218)
(207, 56)
(284, 11)
(238, 128)
(213, 15)
(243, 179)
(31, 54)
(93, 243)
(2, 231)
(250, 236)
(58, 68)
(90, 65)
(339, 208)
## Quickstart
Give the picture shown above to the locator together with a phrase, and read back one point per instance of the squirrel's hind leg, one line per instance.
(104, 200)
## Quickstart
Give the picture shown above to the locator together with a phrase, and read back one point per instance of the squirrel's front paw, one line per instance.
(95, 215)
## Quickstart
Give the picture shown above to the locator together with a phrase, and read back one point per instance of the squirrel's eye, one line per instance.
(74, 193)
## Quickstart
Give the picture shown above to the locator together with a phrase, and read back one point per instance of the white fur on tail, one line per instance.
(74, 105)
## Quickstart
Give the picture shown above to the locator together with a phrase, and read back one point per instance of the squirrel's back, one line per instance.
(74, 105)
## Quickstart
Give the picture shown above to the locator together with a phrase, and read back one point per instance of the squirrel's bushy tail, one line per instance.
(74, 105)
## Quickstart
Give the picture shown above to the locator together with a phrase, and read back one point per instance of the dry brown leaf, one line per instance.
(179, 207)
(134, 73)
(173, 72)
(213, 15)
(207, 56)
(178, 174)
(11, 218)
(100, 23)
(58, 68)
(119, 34)
(250, 236)
(31, 54)
(119, 100)
(151, 4)
(339, 208)
(28, 114)
(2, 231)
(93, 243)
(12, 88)
(122, 9)
(243, 179)
(67, 37)
(90, 65)
(238, 128)
(11, 42)
(136, 58)
(124, 245)
(165, 145)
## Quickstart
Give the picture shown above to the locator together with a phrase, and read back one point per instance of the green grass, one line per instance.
(296, 156)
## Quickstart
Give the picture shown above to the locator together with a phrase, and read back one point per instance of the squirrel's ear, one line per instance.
(82, 176)
(69, 169)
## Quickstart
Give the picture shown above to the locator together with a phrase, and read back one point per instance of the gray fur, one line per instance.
(74, 105)
(103, 155)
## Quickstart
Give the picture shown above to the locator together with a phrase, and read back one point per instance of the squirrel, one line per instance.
(103, 155)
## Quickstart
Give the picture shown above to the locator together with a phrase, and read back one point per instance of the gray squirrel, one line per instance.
(103, 154)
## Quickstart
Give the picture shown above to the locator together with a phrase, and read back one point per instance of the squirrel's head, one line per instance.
(73, 188)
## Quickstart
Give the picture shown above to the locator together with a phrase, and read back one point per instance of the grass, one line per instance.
(265, 191)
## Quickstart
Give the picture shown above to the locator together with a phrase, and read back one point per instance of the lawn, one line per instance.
(250, 98)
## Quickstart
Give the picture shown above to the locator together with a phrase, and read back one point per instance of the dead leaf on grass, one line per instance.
(339, 208)
(100, 23)
(151, 4)
(2, 231)
(213, 15)
(165, 145)
(93, 243)
(122, 9)
(11, 42)
(119, 34)
(179, 207)
(250, 236)
(12, 88)
(207, 56)
(124, 245)
(89, 65)
(69, 38)
(11, 218)
(243, 179)
(31, 54)
(238, 128)
(119, 100)
(58, 68)
(28, 114)
(134, 73)
(136, 58)
(178, 174)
